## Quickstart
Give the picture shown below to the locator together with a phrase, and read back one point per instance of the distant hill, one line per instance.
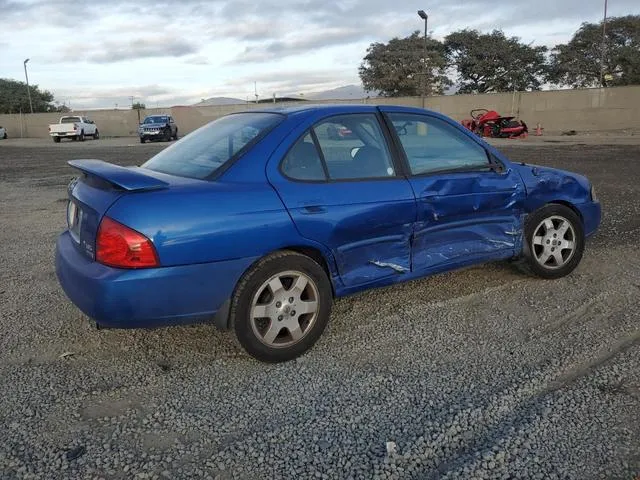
(213, 101)
(348, 92)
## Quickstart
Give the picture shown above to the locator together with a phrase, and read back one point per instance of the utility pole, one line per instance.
(423, 15)
(604, 44)
(28, 89)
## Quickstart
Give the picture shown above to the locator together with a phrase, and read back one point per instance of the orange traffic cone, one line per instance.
(539, 130)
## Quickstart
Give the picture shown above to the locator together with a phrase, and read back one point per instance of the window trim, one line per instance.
(391, 148)
(493, 164)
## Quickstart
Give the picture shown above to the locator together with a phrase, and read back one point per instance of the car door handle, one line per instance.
(313, 209)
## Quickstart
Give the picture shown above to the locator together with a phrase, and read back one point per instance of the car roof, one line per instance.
(333, 108)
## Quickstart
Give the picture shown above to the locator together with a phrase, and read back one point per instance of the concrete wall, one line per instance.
(590, 110)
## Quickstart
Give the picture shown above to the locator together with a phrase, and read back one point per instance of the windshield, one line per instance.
(70, 120)
(155, 120)
(202, 152)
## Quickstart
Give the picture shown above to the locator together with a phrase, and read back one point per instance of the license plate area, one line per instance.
(74, 220)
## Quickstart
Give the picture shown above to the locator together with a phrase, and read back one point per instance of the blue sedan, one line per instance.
(258, 220)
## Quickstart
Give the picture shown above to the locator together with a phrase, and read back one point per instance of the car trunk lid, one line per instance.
(98, 187)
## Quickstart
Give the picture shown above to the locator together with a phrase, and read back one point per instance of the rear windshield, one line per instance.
(155, 120)
(204, 151)
(69, 119)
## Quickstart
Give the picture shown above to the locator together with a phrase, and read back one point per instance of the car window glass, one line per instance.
(303, 161)
(201, 153)
(354, 147)
(432, 145)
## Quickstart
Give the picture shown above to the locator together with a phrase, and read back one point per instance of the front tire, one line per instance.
(554, 241)
(281, 306)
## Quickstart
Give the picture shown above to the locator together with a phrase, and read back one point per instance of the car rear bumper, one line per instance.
(591, 216)
(154, 297)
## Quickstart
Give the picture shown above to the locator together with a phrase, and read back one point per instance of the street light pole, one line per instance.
(422, 14)
(604, 44)
(28, 89)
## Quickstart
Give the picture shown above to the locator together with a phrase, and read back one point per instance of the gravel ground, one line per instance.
(482, 373)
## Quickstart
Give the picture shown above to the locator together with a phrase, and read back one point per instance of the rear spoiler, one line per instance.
(132, 179)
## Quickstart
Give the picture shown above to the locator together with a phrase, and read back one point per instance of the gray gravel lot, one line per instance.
(483, 373)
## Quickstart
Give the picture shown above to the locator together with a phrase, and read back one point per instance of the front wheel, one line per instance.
(554, 241)
(281, 306)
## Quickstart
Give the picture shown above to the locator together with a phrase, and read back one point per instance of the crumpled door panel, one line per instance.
(474, 214)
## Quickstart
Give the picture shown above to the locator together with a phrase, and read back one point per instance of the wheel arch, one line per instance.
(222, 317)
(569, 205)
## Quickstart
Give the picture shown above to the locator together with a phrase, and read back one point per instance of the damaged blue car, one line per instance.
(256, 221)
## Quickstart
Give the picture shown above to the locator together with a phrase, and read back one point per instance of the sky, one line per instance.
(96, 54)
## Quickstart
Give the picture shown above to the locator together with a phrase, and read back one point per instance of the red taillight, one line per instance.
(120, 246)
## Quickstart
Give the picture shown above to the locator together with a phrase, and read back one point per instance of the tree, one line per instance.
(14, 97)
(492, 62)
(138, 106)
(579, 62)
(398, 68)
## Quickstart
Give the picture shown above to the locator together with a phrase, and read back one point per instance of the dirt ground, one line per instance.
(539, 377)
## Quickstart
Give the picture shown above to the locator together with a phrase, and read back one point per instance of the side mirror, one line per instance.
(354, 151)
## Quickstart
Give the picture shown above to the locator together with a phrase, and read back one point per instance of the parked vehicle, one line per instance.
(158, 127)
(489, 123)
(3, 133)
(75, 128)
(259, 233)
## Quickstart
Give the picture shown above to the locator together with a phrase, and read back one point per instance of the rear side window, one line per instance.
(432, 145)
(354, 147)
(303, 161)
(201, 153)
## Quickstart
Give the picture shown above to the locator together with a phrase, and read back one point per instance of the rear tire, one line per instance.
(263, 308)
(96, 135)
(553, 241)
(81, 137)
(56, 139)
(142, 140)
(175, 137)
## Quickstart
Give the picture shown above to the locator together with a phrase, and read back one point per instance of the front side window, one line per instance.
(354, 147)
(432, 145)
(201, 153)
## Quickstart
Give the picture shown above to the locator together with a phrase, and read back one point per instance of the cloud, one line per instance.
(203, 48)
(198, 60)
(306, 43)
(148, 47)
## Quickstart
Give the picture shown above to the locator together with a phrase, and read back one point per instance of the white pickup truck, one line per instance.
(73, 127)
